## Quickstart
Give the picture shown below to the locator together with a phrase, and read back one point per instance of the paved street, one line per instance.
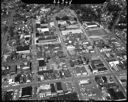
(34, 56)
(64, 48)
(61, 38)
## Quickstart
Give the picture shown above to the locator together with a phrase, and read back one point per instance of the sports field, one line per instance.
(97, 32)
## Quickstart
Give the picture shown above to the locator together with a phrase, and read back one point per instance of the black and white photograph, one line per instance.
(63, 50)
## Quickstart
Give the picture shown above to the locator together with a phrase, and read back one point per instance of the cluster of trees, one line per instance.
(117, 10)
(86, 13)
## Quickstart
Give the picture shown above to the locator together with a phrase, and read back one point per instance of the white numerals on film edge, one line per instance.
(62, 2)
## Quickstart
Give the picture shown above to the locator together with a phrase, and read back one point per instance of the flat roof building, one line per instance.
(43, 87)
(62, 22)
(17, 78)
(59, 86)
(53, 90)
(72, 27)
(26, 91)
(84, 81)
(73, 31)
(42, 29)
(91, 24)
(52, 24)
(68, 96)
(45, 71)
(41, 63)
(13, 69)
(23, 49)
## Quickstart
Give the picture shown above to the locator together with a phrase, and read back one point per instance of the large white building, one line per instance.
(73, 31)
(43, 87)
(90, 24)
(42, 29)
(113, 64)
(84, 81)
(73, 27)
(62, 22)
(71, 49)
(52, 24)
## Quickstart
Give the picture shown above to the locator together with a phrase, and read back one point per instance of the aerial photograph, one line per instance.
(64, 51)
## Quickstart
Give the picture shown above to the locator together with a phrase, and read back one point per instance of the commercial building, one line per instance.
(97, 66)
(68, 96)
(41, 62)
(73, 31)
(61, 22)
(17, 78)
(93, 69)
(25, 66)
(44, 91)
(72, 27)
(13, 69)
(43, 87)
(84, 82)
(49, 71)
(44, 25)
(26, 92)
(113, 64)
(41, 30)
(22, 49)
(53, 90)
(71, 49)
(52, 24)
(59, 87)
(90, 24)
(27, 36)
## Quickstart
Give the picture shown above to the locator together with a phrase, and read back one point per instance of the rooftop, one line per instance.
(22, 48)
(26, 91)
(53, 88)
(69, 96)
(41, 63)
(91, 23)
(59, 86)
